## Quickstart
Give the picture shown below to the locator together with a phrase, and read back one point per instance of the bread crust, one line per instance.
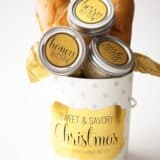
(51, 12)
(124, 13)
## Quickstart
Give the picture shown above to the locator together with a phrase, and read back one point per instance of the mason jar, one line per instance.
(108, 57)
(91, 17)
(63, 51)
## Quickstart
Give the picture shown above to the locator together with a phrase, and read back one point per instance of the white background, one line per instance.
(24, 107)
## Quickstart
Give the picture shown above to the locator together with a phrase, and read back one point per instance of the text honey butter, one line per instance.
(62, 51)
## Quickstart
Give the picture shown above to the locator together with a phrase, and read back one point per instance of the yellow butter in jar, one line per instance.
(108, 57)
(62, 51)
(91, 17)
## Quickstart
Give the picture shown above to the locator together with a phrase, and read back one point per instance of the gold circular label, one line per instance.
(113, 53)
(62, 50)
(91, 11)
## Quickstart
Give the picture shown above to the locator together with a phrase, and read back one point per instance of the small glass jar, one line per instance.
(108, 57)
(62, 51)
(91, 17)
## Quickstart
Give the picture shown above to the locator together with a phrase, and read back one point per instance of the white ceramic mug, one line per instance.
(92, 96)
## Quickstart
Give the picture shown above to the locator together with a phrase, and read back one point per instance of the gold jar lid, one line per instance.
(62, 50)
(93, 17)
(111, 56)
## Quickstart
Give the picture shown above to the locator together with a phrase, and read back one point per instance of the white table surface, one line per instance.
(24, 107)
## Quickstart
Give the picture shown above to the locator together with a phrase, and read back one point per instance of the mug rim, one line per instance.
(94, 79)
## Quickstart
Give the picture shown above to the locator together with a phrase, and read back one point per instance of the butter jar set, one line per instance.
(93, 84)
(63, 51)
